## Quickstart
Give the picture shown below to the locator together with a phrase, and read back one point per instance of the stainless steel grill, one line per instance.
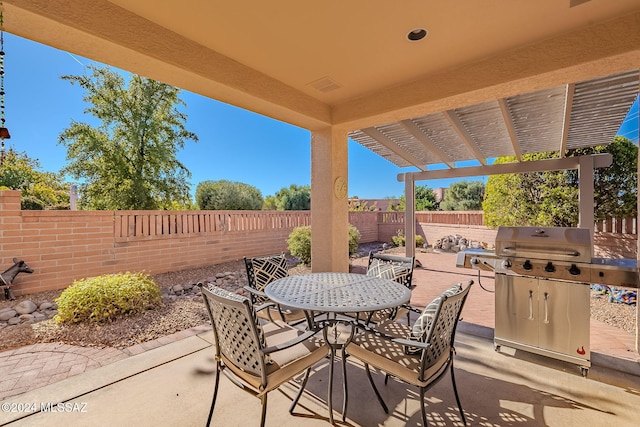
(542, 292)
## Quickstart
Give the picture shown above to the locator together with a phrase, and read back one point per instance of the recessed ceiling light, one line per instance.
(417, 34)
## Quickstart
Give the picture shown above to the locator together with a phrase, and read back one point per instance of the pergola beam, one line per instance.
(392, 146)
(568, 103)
(421, 137)
(599, 161)
(462, 133)
(506, 116)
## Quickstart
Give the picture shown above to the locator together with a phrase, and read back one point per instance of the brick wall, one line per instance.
(62, 246)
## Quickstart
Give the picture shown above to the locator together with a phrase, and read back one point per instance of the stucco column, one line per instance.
(329, 207)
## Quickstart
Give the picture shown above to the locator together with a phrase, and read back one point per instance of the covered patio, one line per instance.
(354, 69)
(418, 83)
(173, 383)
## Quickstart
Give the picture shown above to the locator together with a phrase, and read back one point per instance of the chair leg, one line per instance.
(299, 394)
(215, 393)
(425, 423)
(455, 391)
(263, 417)
(345, 390)
(375, 389)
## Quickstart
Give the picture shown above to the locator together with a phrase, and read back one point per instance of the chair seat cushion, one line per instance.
(389, 356)
(284, 363)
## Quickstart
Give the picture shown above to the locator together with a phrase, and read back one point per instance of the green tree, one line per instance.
(294, 198)
(228, 195)
(270, 203)
(551, 198)
(463, 196)
(615, 187)
(425, 199)
(129, 160)
(40, 190)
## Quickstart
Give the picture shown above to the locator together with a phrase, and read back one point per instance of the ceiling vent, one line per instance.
(325, 84)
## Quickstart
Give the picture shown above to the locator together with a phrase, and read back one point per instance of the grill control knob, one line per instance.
(527, 265)
(506, 264)
(550, 268)
(475, 260)
(574, 270)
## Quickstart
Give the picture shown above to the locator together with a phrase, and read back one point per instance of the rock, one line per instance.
(188, 286)
(220, 275)
(26, 307)
(7, 314)
(24, 318)
(177, 289)
(45, 306)
(13, 321)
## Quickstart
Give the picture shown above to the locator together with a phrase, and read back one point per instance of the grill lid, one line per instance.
(549, 243)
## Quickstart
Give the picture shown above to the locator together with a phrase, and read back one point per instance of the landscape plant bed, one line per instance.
(177, 314)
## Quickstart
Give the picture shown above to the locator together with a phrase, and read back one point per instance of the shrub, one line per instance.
(399, 239)
(103, 298)
(354, 240)
(299, 242)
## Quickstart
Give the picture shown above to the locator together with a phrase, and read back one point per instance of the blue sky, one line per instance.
(234, 144)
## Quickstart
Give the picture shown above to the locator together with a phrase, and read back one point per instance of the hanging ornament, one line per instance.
(4, 132)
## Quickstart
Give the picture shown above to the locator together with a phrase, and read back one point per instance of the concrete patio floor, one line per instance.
(172, 385)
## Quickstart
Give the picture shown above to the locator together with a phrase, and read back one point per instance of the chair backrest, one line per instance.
(263, 270)
(442, 331)
(239, 338)
(397, 268)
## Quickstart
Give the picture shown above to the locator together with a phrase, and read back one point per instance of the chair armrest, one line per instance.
(300, 338)
(410, 308)
(264, 306)
(411, 343)
(255, 291)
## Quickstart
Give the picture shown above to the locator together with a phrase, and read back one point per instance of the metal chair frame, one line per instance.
(436, 351)
(260, 272)
(405, 264)
(241, 350)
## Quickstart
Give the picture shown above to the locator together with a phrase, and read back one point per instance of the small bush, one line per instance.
(299, 242)
(399, 239)
(103, 298)
(354, 240)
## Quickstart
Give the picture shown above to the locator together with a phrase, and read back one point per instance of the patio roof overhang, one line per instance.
(490, 79)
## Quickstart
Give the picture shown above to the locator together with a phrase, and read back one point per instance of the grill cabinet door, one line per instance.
(564, 321)
(517, 309)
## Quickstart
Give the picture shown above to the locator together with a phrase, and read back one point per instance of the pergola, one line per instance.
(490, 78)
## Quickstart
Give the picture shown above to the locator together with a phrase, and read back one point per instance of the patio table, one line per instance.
(337, 293)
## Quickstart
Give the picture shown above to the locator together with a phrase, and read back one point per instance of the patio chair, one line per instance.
(260, 272)
(420, 355)
(396, 268)
(257, 358)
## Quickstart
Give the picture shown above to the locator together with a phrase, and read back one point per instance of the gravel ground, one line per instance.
(170, 317)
